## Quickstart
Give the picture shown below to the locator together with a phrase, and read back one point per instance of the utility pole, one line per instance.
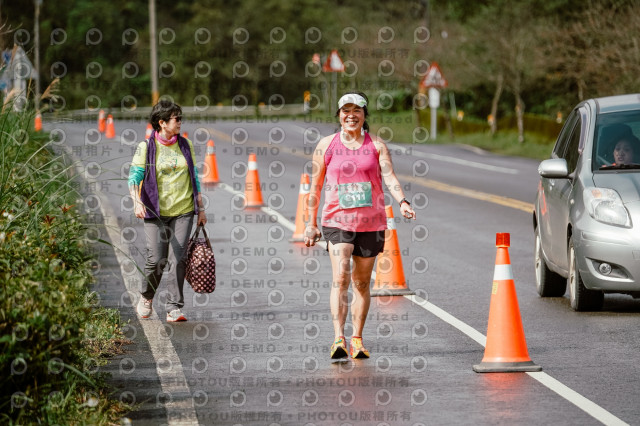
(36, 48)
(154, 52)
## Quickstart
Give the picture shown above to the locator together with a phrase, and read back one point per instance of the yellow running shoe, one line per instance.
(339, 349)
(356, 350)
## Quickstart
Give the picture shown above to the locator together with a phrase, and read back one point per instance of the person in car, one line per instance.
(619, 146)
(623, 151)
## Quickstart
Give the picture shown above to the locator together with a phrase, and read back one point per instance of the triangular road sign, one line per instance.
(333, 63)
(433, 77)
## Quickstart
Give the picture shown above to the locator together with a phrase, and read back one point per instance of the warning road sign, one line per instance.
(433, 77)
(333, 63)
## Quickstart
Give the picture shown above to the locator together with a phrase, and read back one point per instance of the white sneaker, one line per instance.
(175, 316)
(145, 306)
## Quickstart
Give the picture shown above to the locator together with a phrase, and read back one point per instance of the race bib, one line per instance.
(353, 195)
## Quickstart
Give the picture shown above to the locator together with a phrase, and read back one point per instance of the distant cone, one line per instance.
(390, 280)
(102, 124)
(147, 133)
(252, 191)
(506, 347)
(185, 135)
(37, 122)
(302, 212)
(210, 165)
(110, 132)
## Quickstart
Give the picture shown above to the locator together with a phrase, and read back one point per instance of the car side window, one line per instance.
(560, 148)
(573, 147)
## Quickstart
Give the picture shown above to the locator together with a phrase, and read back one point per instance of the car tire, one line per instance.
(581, 298)
(548, 283)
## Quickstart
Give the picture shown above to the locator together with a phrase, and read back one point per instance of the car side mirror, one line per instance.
(554, 168)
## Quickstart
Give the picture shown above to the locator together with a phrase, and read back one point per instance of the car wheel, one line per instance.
(581, 298)
(548, 283)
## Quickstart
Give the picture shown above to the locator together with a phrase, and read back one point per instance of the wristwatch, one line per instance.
(404, 200)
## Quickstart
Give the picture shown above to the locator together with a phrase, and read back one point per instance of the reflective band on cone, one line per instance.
(506, 347)
(110, 132)
(303, 208)
(210, 165)
(252, 191)
(390, 280)
(102, 125)
(37, 122)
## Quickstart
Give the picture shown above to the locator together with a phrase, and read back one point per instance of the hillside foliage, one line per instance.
(539, 56)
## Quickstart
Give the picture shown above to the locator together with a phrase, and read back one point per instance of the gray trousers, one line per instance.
(167, 239)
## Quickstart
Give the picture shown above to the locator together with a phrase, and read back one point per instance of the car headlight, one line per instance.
(605, 205)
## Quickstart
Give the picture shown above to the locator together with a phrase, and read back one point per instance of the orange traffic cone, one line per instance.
(390, 280)
(185, 135)
(37, 122)
(303, 208)
(210, 164)
(252, 191)
(506, 348)
(101, 121)
(147, 133)
(110, 132)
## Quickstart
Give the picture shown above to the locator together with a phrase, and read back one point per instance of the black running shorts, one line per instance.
(365, 244)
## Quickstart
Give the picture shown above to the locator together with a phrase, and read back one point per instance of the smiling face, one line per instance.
(352, 118)
(623, 152)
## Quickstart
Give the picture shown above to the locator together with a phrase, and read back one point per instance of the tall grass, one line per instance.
(53, 333)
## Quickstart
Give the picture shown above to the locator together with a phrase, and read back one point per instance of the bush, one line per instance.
(545, 129)
(52, 331)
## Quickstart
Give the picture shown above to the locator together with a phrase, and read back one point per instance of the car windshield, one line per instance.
(617, 144)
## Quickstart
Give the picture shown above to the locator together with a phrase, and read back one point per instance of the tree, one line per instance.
(598, 51)
(502, 46)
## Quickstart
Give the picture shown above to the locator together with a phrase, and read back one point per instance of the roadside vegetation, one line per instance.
(504, 61)
(500, 57)
(54, 335)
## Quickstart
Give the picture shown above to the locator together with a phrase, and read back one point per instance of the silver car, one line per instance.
(587, 208)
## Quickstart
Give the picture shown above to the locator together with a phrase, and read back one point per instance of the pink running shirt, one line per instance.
(353, 195)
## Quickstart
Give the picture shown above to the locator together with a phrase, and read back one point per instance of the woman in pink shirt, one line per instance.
(350, 167)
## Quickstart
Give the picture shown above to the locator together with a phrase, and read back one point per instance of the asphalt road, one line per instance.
(256, 350)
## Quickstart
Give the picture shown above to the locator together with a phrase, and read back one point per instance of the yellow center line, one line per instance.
(427, 183)
(470, 193)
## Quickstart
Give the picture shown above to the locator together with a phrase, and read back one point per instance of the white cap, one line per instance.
(352, 98)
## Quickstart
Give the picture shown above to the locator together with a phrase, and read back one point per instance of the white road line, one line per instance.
(567, 393)
(266, 209)
(449, 319)
(409, 151)
(564, 391)
(173, 382)
(283, 220)
(576, 399)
